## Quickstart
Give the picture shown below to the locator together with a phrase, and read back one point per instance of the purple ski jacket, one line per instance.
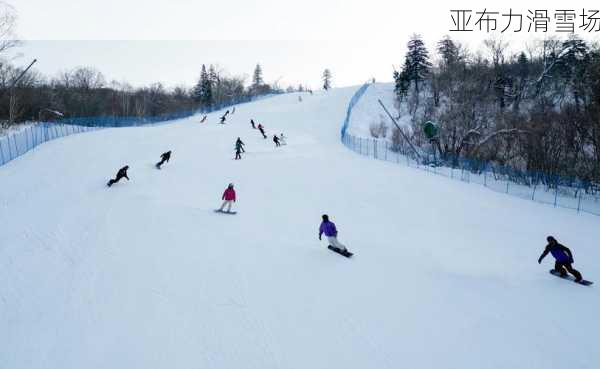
(328, 228)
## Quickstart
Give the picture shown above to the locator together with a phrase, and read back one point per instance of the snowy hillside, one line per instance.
(146, 275)
(368, 111)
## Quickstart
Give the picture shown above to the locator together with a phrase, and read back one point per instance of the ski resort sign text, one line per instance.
(534, 21)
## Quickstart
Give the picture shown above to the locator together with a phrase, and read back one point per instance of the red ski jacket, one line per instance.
(229, 194)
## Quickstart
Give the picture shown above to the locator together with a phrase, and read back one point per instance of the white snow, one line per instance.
(368, 111)
(145, 275)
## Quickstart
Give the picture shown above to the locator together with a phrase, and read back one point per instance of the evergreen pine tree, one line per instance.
(204, 87)
(402, 84)
(448, 51)
(327, 79)
(257, 79)
(416, 64)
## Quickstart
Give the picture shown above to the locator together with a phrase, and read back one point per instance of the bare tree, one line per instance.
(8, 20)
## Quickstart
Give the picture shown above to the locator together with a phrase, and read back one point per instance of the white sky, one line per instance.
(365, 38)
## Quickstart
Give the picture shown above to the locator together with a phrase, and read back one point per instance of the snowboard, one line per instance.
(570, 277)
(225, 212)
(347, 254)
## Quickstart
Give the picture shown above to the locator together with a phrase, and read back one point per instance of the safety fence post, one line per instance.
(26, 140)
(556, 196)
(15, 145)
(2, 153)
(579, 200)
(375, 148)
(386, 150)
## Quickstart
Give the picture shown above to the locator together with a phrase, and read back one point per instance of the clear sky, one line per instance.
(131, 40)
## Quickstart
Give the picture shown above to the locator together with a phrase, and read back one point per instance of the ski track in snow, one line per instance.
(146, 275)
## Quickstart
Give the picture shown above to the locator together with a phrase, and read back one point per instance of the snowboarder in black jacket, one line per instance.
(238, 153)
(276, 140)
(262, 130)
(164, 158)
(252, 124)
(239, 145)
(563, 257)
(122, 173)
(223, 119)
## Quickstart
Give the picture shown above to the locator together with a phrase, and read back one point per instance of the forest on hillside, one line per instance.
(537, 110)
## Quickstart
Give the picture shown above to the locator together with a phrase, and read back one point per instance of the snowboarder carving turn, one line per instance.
(164, 157)
(228, 199)
(252, 124)
(563, 257)
(276, 140)
(122, 173)
(328, 228)
(262, 130)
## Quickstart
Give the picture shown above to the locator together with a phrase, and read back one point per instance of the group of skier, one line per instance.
(562, 254)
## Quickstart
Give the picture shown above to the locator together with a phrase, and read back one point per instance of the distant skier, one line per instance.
(563, 256)
(252, 124)
(203, 119)
(300, 98)
(233, 110)
(262, 130)
(226, 113)
(164, 158)
(222, 119)
(282, 139)
(239, 144)
(238, 153)
(331, 233)
(276, 140)
(228, 198)
(122, 173)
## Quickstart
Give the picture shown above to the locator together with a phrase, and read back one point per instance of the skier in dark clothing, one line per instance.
(122, 173)
(276, 140)
(252, 123)
(238, 153)
(203, 119)
(262, 130)
(239, 144)
(563, 257)
(233, 110)
(164, 158)
(223, 119)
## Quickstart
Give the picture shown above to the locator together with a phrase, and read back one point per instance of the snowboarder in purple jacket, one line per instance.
(563, 256)
(331, 233)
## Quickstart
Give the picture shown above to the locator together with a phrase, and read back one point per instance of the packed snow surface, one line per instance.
(146, 275)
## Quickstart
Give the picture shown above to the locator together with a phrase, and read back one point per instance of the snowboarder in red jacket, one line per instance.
(228, 198)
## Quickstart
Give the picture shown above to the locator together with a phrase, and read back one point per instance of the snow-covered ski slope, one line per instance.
(146, 275)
